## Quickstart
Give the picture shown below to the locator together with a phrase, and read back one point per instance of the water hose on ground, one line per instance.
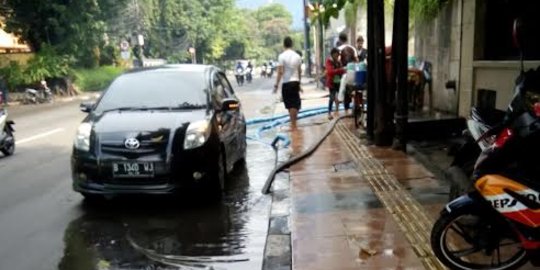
(306, 153)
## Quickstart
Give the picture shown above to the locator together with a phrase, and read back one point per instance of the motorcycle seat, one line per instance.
(488, 116)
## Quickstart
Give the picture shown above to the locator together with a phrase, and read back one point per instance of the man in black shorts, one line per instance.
(290, 70)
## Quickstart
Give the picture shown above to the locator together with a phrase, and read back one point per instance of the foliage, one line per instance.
(13, 74)
(88, 31)
(95, 79)
(424, 10)
(45, 64)
(419, 9)
(75, 28)
(109, 56)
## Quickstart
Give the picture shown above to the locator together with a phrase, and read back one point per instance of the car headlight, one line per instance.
(197, 134)
(82, 140)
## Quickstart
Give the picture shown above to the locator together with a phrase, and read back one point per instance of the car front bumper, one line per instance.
(93, 176)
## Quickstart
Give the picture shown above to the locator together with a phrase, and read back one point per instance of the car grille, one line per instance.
(151, 143)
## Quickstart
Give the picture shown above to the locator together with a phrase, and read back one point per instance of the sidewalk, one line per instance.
(358, 207)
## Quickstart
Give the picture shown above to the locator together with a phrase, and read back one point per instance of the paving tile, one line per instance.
(409, 171)
(323, 254)
(337, 201)
(317, 225)
(332, 184)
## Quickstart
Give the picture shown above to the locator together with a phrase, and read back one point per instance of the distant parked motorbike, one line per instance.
(7, 139)
(249, 76)
(264, 71)
(271, 71)
(240, 76)
(33, 96)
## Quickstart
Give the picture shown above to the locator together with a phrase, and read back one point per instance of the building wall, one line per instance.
(439, 42)
(11, 43)
(21, 58)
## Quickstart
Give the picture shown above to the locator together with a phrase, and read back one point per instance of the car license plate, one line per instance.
(133, 169)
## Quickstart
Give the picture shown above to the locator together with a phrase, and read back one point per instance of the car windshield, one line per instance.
(156, 89)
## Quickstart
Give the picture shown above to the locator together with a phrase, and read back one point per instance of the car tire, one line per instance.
(216, 184)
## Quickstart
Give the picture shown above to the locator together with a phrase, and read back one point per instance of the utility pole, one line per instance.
(370, 127)
(306, 39)
(400, 50)
(383, 127)
(321, 37)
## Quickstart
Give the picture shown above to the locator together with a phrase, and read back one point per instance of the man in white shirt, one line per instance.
(290, 70)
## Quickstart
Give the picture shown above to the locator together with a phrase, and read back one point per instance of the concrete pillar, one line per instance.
(466, 84)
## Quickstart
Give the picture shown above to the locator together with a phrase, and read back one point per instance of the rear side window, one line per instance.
(156, 88)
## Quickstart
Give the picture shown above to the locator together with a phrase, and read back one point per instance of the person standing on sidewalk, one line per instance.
(334, 70)
(348, 55)
(361, 51)
(290, 70)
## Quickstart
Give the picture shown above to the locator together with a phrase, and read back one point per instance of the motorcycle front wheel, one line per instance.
(473, 240)
(9, 144)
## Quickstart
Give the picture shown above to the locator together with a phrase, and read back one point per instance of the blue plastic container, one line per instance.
(361, 74)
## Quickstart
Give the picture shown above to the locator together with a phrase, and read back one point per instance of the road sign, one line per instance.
(124, 45)
(125, 55)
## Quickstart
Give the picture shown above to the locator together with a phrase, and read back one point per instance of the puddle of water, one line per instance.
(172, 233)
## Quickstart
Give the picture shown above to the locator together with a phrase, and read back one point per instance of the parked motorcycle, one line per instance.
(461, 169)
(7, 139)
(496, 226)
(33, 96)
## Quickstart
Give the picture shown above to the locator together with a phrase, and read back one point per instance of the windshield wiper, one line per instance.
(124, 109)
(160, 108)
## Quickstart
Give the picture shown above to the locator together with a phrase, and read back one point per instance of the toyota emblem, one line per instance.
(132, 143)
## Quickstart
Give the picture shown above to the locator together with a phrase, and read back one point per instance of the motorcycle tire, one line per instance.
(9, 149)
(440, 246)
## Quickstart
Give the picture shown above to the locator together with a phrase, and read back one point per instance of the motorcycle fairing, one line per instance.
(514, 200)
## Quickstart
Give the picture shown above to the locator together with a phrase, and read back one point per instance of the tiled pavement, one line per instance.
(338, 221)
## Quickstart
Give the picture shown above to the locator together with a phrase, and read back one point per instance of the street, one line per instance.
(46, 225)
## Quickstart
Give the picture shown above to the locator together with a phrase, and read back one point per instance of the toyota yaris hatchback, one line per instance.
(157, 130)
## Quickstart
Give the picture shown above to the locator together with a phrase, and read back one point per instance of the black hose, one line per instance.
(306, 153)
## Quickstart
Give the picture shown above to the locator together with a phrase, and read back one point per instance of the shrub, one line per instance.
(95, 79)
(13, 74)
(109, 56)
(44, 65)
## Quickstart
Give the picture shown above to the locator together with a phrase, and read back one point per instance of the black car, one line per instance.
(154, 131)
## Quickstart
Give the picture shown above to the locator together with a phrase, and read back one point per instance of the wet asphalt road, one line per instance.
(45, 225)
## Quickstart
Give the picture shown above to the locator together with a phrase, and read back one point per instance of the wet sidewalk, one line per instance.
(352, 206)
(349, 205)
(360, 207)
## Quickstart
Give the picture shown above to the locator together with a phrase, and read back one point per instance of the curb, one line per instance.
(278, 248)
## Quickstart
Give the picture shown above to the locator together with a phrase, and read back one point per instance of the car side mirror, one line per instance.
(87, 106)
(230, 104)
